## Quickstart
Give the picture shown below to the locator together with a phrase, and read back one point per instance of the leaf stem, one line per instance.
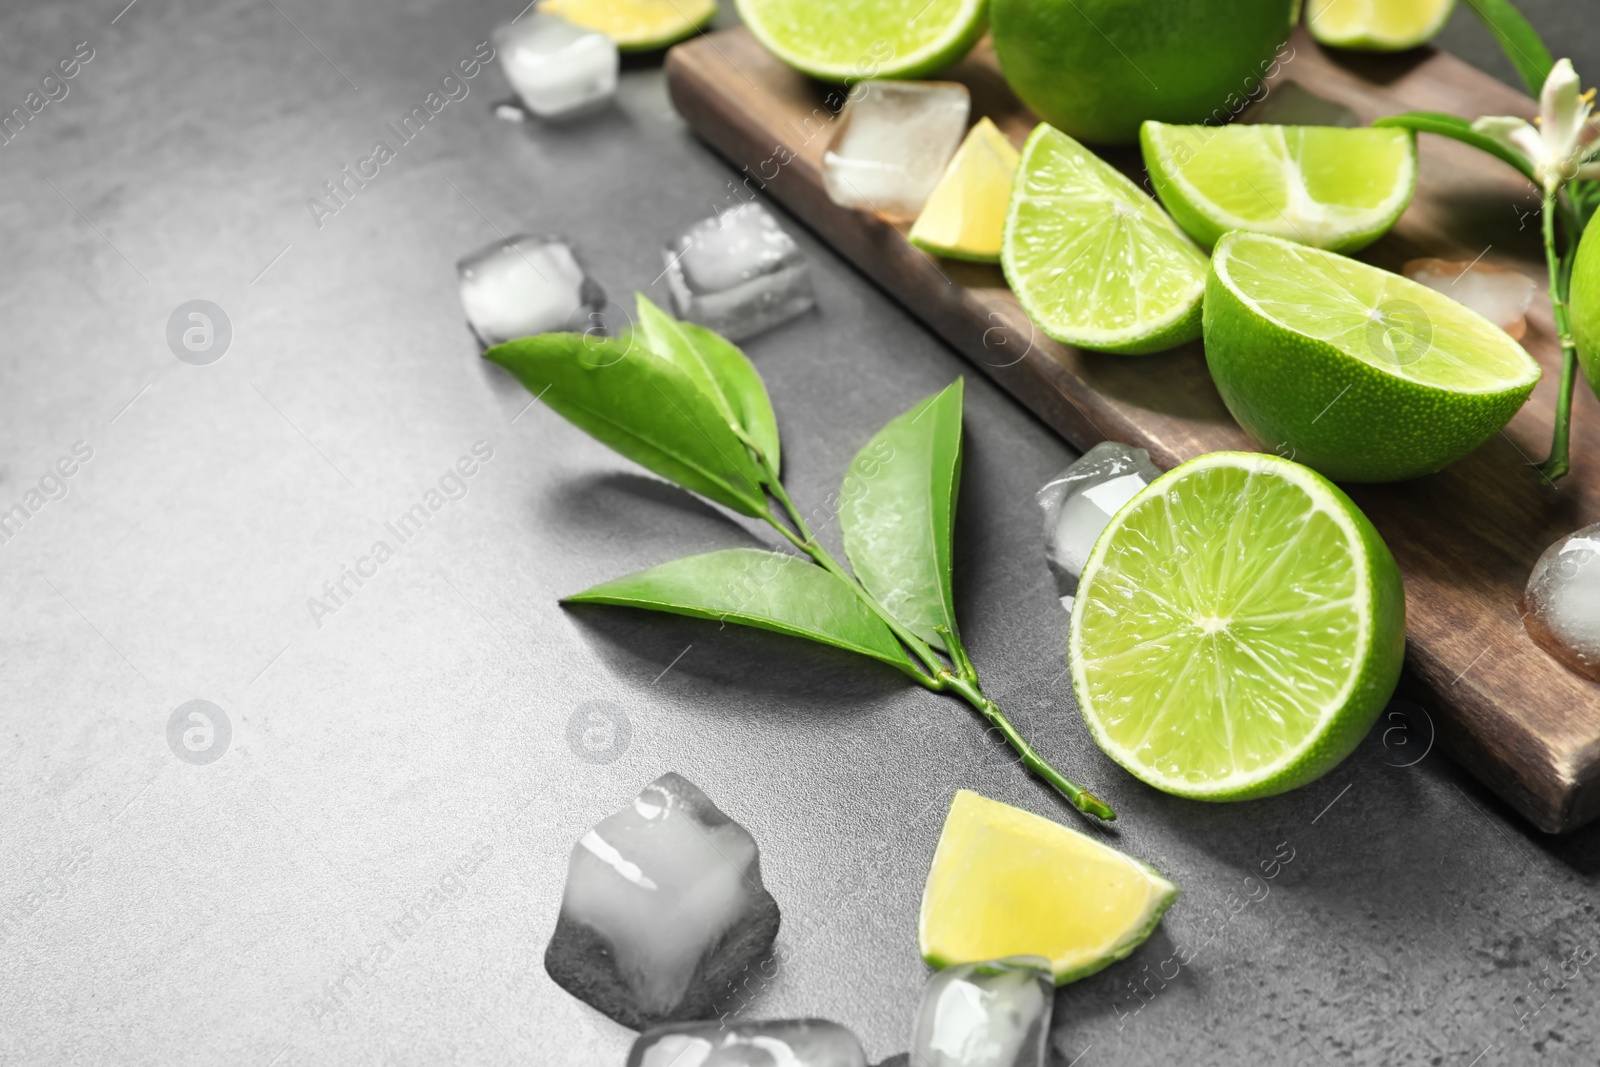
(1559, 462)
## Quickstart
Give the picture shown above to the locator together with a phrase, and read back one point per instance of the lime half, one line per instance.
(853, 40)
(965, 216)
(1238, 628)
(1320, 185)
(1377, 25)
(1006, 882)
(1363, 374)
(636, 25)
(1094, 261)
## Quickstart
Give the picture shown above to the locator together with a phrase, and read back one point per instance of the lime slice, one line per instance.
(1586, 305)
(1377, 25)
(1238, 628)
(965, 215)
(852, 40)
(1363, 374)
(1320, 185)
(636, 25)
(1094, 261)
(1005, 882)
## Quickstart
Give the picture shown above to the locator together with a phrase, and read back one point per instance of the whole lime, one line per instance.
(1098, 68)
(1585, 303)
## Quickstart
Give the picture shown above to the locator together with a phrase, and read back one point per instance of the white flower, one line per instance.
(1556, 148)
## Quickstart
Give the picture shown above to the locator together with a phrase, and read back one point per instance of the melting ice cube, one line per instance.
(1498, 294)
(1079, 502)
(738, 273)
(1288, 103)
(994, 1014)
(1562, 601)
(781, 1043)
(523, 286)
(664, 909)
(560, 70)
(892, 144)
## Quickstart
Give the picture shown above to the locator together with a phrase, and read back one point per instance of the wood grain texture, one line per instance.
(1465, 538)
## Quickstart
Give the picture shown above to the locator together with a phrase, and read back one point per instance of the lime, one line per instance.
(1098, 68)
(1377, 25)
(636, 25)
(1363, 374)
(1005, 882)
(1238, 628)
(1094, 261)
(852, 40)
(1585, 305)
(1320, 185)
(965, 215)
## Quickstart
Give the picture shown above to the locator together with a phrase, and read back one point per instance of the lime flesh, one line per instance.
(1360, 373)
(1586, 305)
(1377, 25)
(853, 40)
(1006, 882)
(1237, 630)
(965, 216)
(636, 25)
(1094, 261)
(1332, 188)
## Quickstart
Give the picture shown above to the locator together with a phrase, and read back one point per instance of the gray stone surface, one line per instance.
(369, 872)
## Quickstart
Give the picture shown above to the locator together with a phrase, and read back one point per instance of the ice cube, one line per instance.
(664, 908)
(892, 143)
(780, 1043)
(1079, 502)
(994, 1014)
(1498, 294)
(1289, 103)
(559, 69)
(1562, 601)
(738, 273)
(526, 285)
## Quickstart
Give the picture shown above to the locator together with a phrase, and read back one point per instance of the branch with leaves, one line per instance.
(681, 401)
(1558, 157)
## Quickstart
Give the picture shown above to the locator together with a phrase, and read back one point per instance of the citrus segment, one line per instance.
(965, 216)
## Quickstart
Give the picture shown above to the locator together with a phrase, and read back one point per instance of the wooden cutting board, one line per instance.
(1465, 538)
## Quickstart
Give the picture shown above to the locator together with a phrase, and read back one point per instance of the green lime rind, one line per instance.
(1357, 185)
(1334, 406)
(935, 249)
(854, 40)
(1366, 621)
(1074, 223)
(1585, 305)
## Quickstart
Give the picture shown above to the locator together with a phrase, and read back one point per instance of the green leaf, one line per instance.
(897, 511)
(1461, 130)
(1518, 39)
(768, 590)
(643, 406)
(720, 370)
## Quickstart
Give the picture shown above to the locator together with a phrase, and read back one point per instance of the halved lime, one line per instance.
(965, 216)
(1325, 186)
(1363, 374)
(1094, 261)
(1238, 628)
(636, 25)
(853, 40)
(1006, 882)
(1377, 25)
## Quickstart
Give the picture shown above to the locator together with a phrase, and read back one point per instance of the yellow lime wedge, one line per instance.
(1006, 882)
(965, 216)
(636, 25)
(1377, 25)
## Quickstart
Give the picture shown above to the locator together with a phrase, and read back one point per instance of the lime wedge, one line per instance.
(1238, 628)
(1320, 185)
(636, 25)
(853, 40)
(1363, 374)
(965, 216)
(1005, 882)
(1094, 261)
(1377, 25)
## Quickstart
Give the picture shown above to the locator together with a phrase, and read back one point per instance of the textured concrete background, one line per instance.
(277, 906)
